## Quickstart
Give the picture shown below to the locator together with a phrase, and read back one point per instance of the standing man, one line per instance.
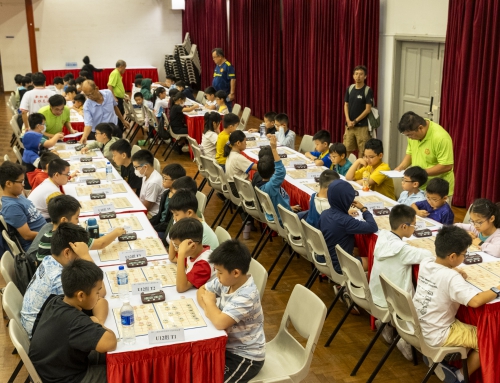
(115, 85)
(429, 146)
(34, 99)
(100, 106)
(56, 115)
(224, 76)
(358, 101)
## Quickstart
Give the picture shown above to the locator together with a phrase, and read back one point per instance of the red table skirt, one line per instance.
(101, 78)
(195, 125)
(197, 362)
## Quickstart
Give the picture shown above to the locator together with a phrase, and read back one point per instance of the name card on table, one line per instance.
(313, 175)
(374, 205)
(145, 287)
(104, 208)
(75, 158)
(420, 225)
(103, 190)
(162, 336)
(131, 254)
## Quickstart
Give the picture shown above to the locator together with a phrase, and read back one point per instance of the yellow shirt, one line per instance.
(383, 184)
(222, 140)
(115, 80)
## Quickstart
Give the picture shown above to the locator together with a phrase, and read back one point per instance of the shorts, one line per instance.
(239, 369)
(462, 335)
(355, 138)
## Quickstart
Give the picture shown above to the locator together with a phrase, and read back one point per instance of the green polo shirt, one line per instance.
(435, 148)
(115, 80)
(54, 123)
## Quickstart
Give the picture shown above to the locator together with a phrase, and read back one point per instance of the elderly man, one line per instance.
(115, 85)
(99, 107)
(56, 115)
(224, 76)
(429, 146)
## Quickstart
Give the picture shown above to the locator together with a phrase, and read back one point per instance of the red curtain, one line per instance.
(323, 41)
(206, 22)
(470, 97)
(255, 41)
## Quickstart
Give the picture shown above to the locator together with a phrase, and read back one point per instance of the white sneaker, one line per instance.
(185, 148)
(246, 230)
(405, 349)
(387, 332)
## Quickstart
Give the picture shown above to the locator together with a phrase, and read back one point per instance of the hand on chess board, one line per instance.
(209, 297)
(461, 272)
(422, 213)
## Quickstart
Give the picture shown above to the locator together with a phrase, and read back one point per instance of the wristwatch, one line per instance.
(363, 209)
(496, 291)
(480, 243)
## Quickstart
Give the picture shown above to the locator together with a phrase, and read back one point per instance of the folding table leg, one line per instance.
(347, 313)
(368, 349)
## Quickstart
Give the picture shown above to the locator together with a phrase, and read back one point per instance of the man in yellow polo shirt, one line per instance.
(56, 115)
(115, 85)
(429, 146)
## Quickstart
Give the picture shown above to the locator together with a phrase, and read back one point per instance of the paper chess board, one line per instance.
(133, 222)
(257, 143)
(483, 275)
(313, 186)
(374, 198)
(119, 203)
(428, 243)
(98, 175)
(110, 252)
(153, 246)
(95, 164)
(87, 190)
(68, 153)
(290, 160)
(302, 174)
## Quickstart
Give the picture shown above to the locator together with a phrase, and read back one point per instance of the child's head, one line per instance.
(38, 79)
(17, 78)
(338, 153)
(374, 151)
(359, 74)
(231, 260)
(452, 243)
(322, 140)
(185, 182)
(103, 132)
(138, 98)
(82, 281)
(437, 192)
(172, 172)
(138, 75)
(63, 208)
(58, 171)
(161, 93)
(138, 83)
(58, 83)
(220, 97)
(413, 178)
(327, 177)
(484, 214)
(79, 100)
(210, 93)
(237, 141)
(36, 122)
(183, 204)
(265, 167)
(45, 159)
(122, 151)
(230, 122)
(143, 162)
(170, 80)
(212, 122)
(281, 121)
(67, 77)
(84, 74)
(269, 119)
(25, 81)
(181, 85)
(179, 99)
(79, 81)
(65, 234)
(187, 229)
(70, 93)
(265, 151)
(403, 219)
(12, 178)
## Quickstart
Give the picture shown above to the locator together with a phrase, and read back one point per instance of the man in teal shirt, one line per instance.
(115, 85)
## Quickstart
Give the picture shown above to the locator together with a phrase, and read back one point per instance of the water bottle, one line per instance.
(109, 171)
(122, 282)
(93, 228)
(262, 130)
(128, 320)
(366, 178)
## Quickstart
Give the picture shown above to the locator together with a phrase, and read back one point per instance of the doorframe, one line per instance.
(396, 75)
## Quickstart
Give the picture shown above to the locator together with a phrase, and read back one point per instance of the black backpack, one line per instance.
(25, 267)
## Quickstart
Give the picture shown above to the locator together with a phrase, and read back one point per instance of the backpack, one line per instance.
(373, 116)
(25, 267)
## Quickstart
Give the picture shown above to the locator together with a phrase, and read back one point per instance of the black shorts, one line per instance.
(239, 369)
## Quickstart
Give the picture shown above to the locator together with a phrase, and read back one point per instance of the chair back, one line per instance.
(467, 215)
(135, 149)
(222, 235)
(14, 249)
(269, 210)
(18, 154)
(212, 172)
(295, 235)
(175, 135)
(12, 302)
(249, 201)
(6, 158)
(197, 154)
(307, 144)
(157, 165)
(21, 342)
(7, 267)
(16, 131)
(200, 97)
(259, 274)
(245, 116)
(192, 142)
(236, 109)
(352, 157)
(202, 201)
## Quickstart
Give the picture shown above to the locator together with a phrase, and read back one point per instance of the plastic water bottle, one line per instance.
(262, 130)
(366, 177)
(128, 320)
(93, 228)
(109, 171)
(122, 282)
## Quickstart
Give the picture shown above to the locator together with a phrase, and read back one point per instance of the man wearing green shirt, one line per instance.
(429, 146)
(115, 85)
(56, 115)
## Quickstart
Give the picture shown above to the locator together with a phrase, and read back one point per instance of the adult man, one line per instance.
(34, 99)
(115, 85)
(99, 107)
(224, 76)
(429, 146)
(358, 101)
(56, 115)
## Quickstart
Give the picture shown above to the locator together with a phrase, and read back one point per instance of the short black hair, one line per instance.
(70, 89)
(183, 200)
(62, 206)
(410, 122)
(138, 83)
(265, 167)
(185, 182)
(80, 275)
(80, 80)
(30, 75)
(282, 118)
(121, 146)
(71, 82)
(105, 128)
(45, 159)
(57, 100)
(144, 156)
(270, 116)
(417, 174)
(138, 94)
(339, 148)
(231, 255)
(38, 79)
(67, 232)
(375, 144)
(170, 77)
(236, 136)
(210, 90)
(68, 76)
(452, 239)
(230, 119)
(173, 92)
(360, 67)
(187, 228)
(327, 177)
(10, 171)
(86, 60)
(83, 73)
(401, 214)
(58, 80)
(221, 94)
(218, 51)
(80, 97)
(17, 78)
(139, 75)
(57, 165)
(180, 83)
(25, 80)
(265, 151)
(323, 136)
(174, 171)
(35, 119)
(438, 186)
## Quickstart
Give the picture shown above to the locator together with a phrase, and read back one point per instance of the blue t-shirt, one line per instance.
(342, 170)
(223, 74)
(19, 211)
(442, 214)
(325, 157)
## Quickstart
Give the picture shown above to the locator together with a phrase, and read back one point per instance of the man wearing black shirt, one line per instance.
(122, 153)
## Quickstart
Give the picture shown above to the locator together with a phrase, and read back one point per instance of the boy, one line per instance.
(186, 90)
(170, 82)
(269, 120)
(59, 85)
(37, 176)
(68, 243)
(210, 104)
(413, 178)
(372, 163)
(68, 345)
(136, 89)
(436, 206)
(321, 156)
(441, 289)
(78, 102)
(139, 102)
(122, 152)
(17, 210)
(338, 156)
(70, 93)
(191, 256)
(285, 136)
(151, 189)
(230, 122)
(220, 99)
(232, 303)
(319, 202)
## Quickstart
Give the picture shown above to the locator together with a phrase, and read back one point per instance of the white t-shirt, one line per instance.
(440, 292)
(211, 103)
(208, 142)
(34, 99)
(321, 204)
(42, 194)
(237, 165)
(160, 106)
(151, 190)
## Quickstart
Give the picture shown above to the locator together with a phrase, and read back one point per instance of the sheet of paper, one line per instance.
(74, 135)
(393, 173)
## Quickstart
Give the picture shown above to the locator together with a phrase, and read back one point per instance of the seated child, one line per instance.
(177, 110)
(37, 176)
(436, 206)
(338, 226)
(185, 90)
(484, 226)
(136, 88)
(232, 303)
(236, 163)
(70, 93)
(170, 82)
(441, 289)
(104, 138)
(66, 336)
(191, 256)
(122, 152)
(161, 103)
(18, 211)
(220, 98)
(139, 102)
(210, 134)
(269, 120)
(210, 103)
(229, 123)
(284, 135)
(413, 178)
(338, 156)
(68, 243)
(78, 102)
(152, 181)
(146, 88)
(321, 155)
(374, 151)
(59, 85)
(79, 83)
(319, 202)
(265, 151)
(84, 74)
(67, 77)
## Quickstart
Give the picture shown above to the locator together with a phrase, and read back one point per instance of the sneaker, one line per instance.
(346, 298)
(405, 349)
(446, 373)
(336, 289)
(246, 230)
(387, 332)
(185, 148)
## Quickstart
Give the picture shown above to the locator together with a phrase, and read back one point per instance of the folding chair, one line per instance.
(259, 275)
(7, 267)
(236, 109)
(222, 234)
(307, 144)
(201, 170)
(21, 342)
(245, 116)
(200, 97)
(176, 137)
(202, 201)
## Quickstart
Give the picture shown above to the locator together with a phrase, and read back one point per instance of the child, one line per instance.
(441, 289)
(78, 83)
(17, 210)
(232, 303)
(284, 135)
(68, 243)
(161, 104)
(70, 93)
(84, 74)
(104, 138)
(78, 102)
(338, 156)
(67, 77)
(136, 88)
(37, 176)
(374, 151)
(59, 85)
(413, 178)
(185, 90)
(151, 189)
(236, 163)
(220, 98)
(139, 102)
(146, 88)
(436, 207)
(210, 103)
(321, 155)
(66, 336)
(484, 226)
(319, 202)
(191, 256)
(210, 134)
(230, 122)
(177, 110)
(269, 120)
(122, 152)
(170, 82)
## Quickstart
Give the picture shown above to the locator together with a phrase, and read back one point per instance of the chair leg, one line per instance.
(414, 355)
(312, 278)
(282, 271)
(430, 372)
(368, 349)
(233, 217)
(263, 245)
(347, 313)
(28, 379)
(227, 204)
(16, 372)
(465, 370)
(196, 175)
(224, 208)
(277, 259)
(242, 226)
(202, 184)
(337, 297)
(170, 151)
(384, 358)
(262, 235)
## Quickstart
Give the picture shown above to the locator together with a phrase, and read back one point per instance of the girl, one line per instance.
(237, 164)
(484, 226)
(210, 134)
(105, 136)
(177, 110)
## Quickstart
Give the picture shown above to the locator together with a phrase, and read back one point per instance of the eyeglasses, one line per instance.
(370, 157)
(434, 199)
(409, 224)
(19, 182)
(67, 175)
(476, 223)
(403, 180)
(139, 166)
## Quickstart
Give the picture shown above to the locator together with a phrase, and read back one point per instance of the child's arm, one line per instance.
(482, 298)
(199, 297)
(367, 226)
(51, 142)
(100, 310)
(420, 213)
(220, 320)
(181, 281)
(92, 145)
(312, 155)
(105, 240)
(172, 253)
(351, 173)
(189, 108)
(279, 171)
(107, 342)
